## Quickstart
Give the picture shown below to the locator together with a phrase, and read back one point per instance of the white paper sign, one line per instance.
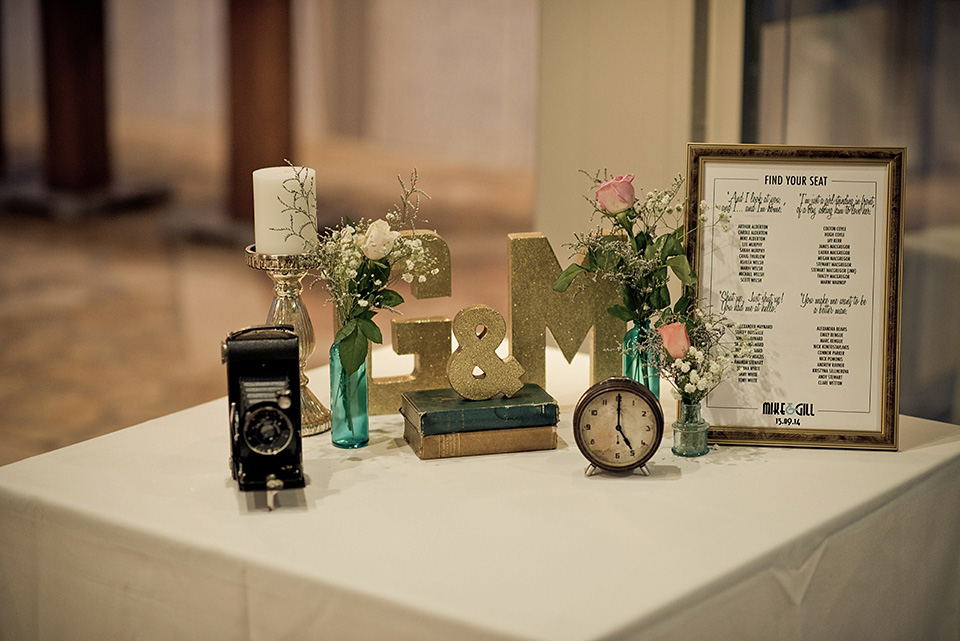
(804, 270)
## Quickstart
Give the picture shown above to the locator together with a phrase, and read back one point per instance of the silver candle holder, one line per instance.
(287, 272)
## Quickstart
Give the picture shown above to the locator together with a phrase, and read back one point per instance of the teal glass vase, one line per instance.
(348, 404)
(636, 362)
(690, 432)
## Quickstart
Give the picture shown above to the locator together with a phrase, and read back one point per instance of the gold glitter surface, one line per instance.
(428, 339)
(535, 306)
(479, 330)
(437, 285)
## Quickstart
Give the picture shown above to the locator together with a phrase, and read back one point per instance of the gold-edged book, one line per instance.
(497, 441)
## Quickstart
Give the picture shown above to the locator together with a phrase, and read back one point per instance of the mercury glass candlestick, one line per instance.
(287, 272)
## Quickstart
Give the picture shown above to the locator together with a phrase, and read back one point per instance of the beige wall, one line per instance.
(724, 72)
(616, 91)
(453, 80)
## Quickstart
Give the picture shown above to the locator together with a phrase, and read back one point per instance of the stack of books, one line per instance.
(440, 423)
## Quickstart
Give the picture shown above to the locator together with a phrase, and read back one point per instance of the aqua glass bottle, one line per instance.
(348, 404)
(636, 362)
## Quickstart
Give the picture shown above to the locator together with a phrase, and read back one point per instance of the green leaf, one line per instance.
(390, 298)
(380, 271)
(660, 297)
(607, 260)
(671, 247)
(370, 330)
(350, 327)
(629, 297)
(683, 303)
(567, 276)
(650, 251)
(681, 267)
(643, 240)
(353, 352)
(621, 312)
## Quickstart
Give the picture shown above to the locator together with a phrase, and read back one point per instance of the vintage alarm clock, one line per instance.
(618, 425)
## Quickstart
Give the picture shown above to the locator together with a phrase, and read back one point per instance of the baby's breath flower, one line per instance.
(358, 281)
(714, 348)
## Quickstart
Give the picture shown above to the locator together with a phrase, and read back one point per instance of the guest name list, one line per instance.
(799, 271)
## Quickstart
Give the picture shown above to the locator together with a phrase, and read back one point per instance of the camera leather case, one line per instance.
(263, 392)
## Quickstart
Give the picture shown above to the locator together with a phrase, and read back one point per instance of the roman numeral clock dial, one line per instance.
(618, 425)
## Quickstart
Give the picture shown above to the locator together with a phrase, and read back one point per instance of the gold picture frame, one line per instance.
(808, 264)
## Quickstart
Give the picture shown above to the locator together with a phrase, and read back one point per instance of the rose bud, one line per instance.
(379, 240)
(675, 339)
(616, 195)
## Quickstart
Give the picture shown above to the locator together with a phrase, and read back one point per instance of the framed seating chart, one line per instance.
(807, 263)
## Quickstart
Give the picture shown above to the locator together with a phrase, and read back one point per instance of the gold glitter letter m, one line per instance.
(534, 307)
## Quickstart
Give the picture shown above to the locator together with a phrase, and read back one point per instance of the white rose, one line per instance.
(379, 240)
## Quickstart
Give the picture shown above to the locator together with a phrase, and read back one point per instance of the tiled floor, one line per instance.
(112, 321)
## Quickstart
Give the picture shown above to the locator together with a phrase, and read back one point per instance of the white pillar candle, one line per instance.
(279, 206)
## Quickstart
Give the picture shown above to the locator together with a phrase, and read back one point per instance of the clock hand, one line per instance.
(619, 427)
(625, 439)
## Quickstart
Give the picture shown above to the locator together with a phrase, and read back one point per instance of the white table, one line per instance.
(141, 534)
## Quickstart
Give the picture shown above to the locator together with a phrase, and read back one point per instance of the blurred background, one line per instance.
(128, 131)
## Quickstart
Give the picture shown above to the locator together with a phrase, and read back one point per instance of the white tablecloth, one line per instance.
(141, 534)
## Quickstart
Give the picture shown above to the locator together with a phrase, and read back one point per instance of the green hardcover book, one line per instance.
(518, 439)
(443, 411)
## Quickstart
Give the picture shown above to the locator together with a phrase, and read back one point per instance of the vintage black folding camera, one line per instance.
(263, 390)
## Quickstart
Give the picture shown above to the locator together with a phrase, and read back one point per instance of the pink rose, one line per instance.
(616, 195)
(675, 339)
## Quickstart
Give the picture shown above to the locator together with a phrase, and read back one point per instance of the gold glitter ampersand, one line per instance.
(479, 330)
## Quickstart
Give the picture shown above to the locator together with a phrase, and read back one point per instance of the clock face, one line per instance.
(618, 424)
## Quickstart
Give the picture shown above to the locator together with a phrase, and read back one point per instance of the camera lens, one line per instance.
(267, 430)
